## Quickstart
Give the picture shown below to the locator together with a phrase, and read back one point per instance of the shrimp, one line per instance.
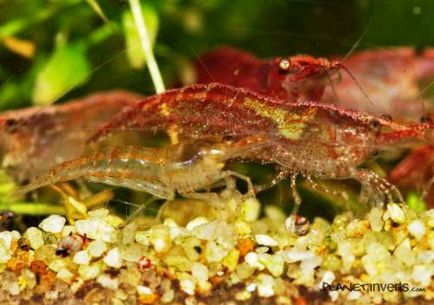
(288, 78)
(305, 138)
(387, 77)
(183, 168)
(55, 133)
(390, 78)
(415, 170)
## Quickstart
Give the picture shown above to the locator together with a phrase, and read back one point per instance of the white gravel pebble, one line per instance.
(265, 240)
(187, 283)
(107, 282)
(345, 251)
(422, 274)
(96, 248)
(160, 239)
(265, 284)
(12, 287)
(196, 222)
(404, 253)
(53, 224)
(417, 229)
(68, 230)
(6, 238)
(143, 237)
(65, 275)
(199, 272)
(214, 252)
(144, 290)
(396, 213)
(327, 278)
(113, 258)
(294, 255)
(354, 295)
(375, 219)
(273, 263)
(57, 265)
(35, 237)
(82, 257)
(5, 254)
(251, 287)
(252, 259)
(250, 209)
(88, 272)
(97, 229)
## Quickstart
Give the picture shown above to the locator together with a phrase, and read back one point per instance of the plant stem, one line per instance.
(146, 46)
(28, 208)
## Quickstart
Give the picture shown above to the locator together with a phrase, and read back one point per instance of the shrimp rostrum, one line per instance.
(184, 168)
(305, 138)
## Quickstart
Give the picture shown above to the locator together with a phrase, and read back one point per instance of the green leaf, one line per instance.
(134, 52)
(66, 69)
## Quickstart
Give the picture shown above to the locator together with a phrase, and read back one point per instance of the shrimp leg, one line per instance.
(426, 189)
(279, 177)
(320, 188)
(250, 188)
(295, 194)
(375, 188)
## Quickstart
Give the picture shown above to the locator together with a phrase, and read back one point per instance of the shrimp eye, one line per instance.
(426, 119)
(284, 65)
(375, 125)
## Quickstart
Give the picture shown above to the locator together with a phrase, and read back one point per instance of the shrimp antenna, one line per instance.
(341, 65)
(359, 40)
(422, 92)
(202, 63)
(333, 88)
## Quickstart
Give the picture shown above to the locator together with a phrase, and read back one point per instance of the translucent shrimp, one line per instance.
(182, 168)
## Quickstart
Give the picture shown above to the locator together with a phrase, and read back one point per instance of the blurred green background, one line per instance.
(51, 51)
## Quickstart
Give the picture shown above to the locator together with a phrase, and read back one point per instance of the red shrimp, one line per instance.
(55, 133)
(287, 78)
(306, 138)
(417, 170)
(390, 78)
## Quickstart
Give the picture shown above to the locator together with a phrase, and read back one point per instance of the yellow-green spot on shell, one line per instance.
(290, 125)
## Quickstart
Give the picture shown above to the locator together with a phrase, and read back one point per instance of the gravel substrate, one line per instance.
(242, 259)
